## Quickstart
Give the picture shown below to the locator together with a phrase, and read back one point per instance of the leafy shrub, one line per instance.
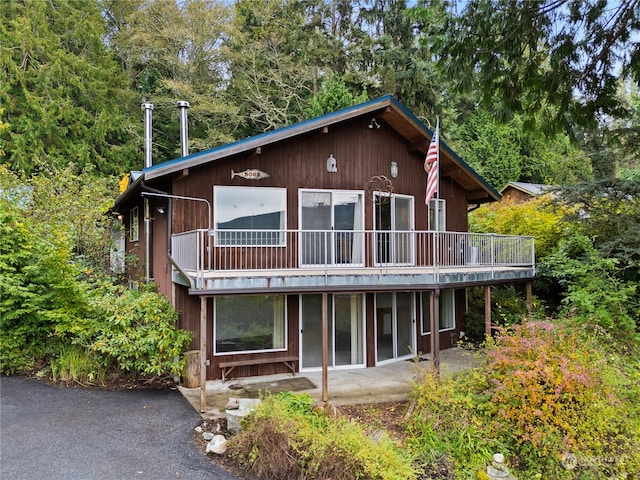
(287, 439)
(545, 391)
(534, 217)
(595, 293)
(54, 305)
(446, 421)
(135, 332)
(38, 290)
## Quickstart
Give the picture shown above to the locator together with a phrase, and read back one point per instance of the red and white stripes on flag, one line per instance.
(431, 165)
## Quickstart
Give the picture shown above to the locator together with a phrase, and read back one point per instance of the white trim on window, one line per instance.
(254, 216)
(275, 333)
(328, 235)
(442, 220)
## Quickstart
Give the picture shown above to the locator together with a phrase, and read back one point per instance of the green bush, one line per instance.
(55, 307)
(285, 438)
(38, 291)
(595, 291)
(134, 332)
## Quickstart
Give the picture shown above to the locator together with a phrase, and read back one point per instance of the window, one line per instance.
(133, 225)
(442, 215)
(251, 215)
(246, 324)
(447, 311)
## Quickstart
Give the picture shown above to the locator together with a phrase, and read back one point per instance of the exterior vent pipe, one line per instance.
(148, 108)
(184, 129)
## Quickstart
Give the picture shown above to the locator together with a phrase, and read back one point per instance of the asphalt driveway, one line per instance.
(74, 433)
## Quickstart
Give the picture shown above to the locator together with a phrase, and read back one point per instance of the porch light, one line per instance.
(394, 169)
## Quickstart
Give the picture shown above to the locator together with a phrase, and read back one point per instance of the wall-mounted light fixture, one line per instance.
(394, 169)
(374, 124)
(160, 210)
(332, 165)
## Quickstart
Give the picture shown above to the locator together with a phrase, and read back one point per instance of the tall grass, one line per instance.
(76, 364)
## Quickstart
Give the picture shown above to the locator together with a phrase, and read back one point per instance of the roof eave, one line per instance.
(130, 191)
(241, 146)
(251, 143)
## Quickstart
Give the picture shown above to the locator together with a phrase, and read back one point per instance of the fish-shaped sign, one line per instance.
(250, 174)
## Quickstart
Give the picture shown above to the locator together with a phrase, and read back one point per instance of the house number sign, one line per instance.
(250, 174)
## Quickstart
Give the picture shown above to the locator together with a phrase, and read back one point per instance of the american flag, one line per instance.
(431, 165)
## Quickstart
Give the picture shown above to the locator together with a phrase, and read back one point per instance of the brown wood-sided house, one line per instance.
(521, 192)
(258, 242)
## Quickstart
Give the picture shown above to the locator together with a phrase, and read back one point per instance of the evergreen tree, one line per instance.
(62, 92)
(536, 54)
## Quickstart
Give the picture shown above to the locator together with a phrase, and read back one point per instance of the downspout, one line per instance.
(148, 109)
(184, 144)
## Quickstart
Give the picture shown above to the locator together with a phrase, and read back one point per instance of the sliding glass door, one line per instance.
(395, 331)
(394, 230)
(331, 224)
(345, 334)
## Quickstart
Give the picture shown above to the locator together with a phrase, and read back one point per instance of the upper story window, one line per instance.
(332, 222)
(250, 215)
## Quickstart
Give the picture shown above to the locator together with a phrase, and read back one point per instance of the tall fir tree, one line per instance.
(64, 95)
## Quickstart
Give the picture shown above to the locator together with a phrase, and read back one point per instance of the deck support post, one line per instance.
(487, 310)
(325, 348)
(434, 320)
(203, 354)
(529, 295)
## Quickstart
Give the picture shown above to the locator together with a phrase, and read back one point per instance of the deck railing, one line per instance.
(251, 250)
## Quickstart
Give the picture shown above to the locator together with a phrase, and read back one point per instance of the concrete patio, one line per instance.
(385, 383)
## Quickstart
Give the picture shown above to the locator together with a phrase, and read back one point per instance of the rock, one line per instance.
(208, 436)
(198, 429)
(218, 444)
(232, 404)
(498, 470)
(235, 416)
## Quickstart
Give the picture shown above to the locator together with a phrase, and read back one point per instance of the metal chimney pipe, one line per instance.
(184, 128)
(148, 108)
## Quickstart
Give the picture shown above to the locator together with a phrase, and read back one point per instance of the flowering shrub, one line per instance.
(541, 381)
(545, 393)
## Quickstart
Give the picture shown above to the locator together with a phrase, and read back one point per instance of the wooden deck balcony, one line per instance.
(314, 260)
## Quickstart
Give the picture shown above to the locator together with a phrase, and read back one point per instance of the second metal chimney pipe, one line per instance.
(184, 129)
(148, 108)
